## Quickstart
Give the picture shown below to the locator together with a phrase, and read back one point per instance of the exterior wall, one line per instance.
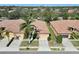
(10, 36)
(65, 35)
(20, 36)
(43, 36)
(13, 35)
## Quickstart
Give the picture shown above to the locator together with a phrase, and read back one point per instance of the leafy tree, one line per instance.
(59, 39)
(64, 15)
(27, 26)
(15, 14)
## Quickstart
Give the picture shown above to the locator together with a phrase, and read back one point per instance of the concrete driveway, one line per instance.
(14, 46)
(43, 43)
(68, 45)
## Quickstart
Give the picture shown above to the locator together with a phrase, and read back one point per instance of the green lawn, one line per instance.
(75, 43)
(51, 32)
(57, 49)
(25, 43)
(52, 36)
(32, 47)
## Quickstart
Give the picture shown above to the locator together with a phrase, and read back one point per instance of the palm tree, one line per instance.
(27, 26)
(47, 15)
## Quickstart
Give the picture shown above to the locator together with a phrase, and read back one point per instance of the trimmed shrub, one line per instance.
(27, 48)
(59, 39)
(49, 37)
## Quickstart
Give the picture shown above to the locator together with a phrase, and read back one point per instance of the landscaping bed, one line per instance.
(25, 43)
(74, 36)
(32, 47)
(52, 39)
(75, 39)
(50, 43)
(76, 44)
(57, 49)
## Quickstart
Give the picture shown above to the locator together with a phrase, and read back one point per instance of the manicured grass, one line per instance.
(30, 49)
(52, 36)
(25, 43)
(57, 49)
(78, 48)
(75, 43)
(51, 32)
(50, 43)
(34, 43)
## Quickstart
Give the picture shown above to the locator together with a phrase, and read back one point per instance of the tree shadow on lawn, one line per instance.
(32, 47)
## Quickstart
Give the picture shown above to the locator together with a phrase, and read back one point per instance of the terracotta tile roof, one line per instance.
(61, 26)
(14, 25)
(11, 25)
(41, 26)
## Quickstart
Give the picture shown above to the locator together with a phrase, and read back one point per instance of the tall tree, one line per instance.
(27, 26)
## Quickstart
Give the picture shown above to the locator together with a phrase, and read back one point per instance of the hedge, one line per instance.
(59, 39)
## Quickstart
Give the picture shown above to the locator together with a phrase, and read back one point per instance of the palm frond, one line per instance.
(22, 26)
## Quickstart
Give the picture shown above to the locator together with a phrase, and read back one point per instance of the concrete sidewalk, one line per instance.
(68, 45)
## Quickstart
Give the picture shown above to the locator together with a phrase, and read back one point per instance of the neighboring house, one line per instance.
(14, 26)
(70, 11)
(61, 26)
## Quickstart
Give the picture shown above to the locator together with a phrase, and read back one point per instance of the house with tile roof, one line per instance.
(14, 26)
(61, 26)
